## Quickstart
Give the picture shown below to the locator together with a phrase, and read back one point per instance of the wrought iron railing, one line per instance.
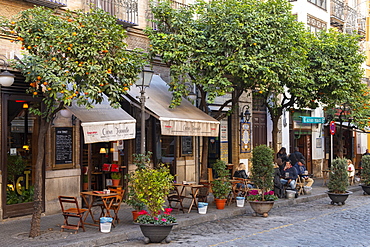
(49, 3)
(149, 15)
(337, 9)
(126, 11)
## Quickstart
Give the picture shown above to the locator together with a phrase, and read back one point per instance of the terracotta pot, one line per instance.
(156, 233)
(115, 182)
(135, 214)
(261, 207)
(85, 186)
(220, 203)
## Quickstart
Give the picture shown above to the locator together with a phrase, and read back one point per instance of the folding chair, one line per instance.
(70, 208)
(113, 203)
(117, 204)
(177, 198)
(299, 185)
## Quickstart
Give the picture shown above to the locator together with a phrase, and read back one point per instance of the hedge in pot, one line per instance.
(365, 174)
(262, 175)
(338, 181)
(221, 187)
(152, 186)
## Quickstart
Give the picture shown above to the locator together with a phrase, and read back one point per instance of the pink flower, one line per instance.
(266, 193)
(142, 212)
(164, 220)
(167, 211)
(271, 192)
(253, 192)
(155, 218)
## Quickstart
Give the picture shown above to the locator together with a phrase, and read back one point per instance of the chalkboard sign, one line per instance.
(186, 145)
(63, 145)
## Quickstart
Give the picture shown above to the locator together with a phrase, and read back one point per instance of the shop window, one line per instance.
(21, 147)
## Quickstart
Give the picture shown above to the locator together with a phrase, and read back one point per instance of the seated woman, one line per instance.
(240, 173)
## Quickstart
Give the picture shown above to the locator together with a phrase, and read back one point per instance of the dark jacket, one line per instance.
(240, 174)
(300, 170)
(293, 174)
(296, 156)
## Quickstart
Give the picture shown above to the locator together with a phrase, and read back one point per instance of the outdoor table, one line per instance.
(89, 198)
(180, 188)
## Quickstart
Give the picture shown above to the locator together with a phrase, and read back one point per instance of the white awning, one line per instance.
(183, 120)
(104, 123)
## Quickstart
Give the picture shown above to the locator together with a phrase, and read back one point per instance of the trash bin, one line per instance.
(202, 207)
(290, 194)
(105, 224)
(240, 201)
(307, 190)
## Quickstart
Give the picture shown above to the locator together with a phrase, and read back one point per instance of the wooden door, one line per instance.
(259, 129)
(304, 144)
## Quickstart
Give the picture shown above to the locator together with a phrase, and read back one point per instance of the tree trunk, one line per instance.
(204, 163)
(275, 130)
(37, 203)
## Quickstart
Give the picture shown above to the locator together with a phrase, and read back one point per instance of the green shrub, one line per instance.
(338, 176)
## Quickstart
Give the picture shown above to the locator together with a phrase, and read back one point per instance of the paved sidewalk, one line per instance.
(14, 232)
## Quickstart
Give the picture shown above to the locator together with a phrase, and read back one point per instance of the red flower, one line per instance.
(167, 211)
(155, 218)
(164, 220)
(253, 192)
(142, 212)
(271, 192)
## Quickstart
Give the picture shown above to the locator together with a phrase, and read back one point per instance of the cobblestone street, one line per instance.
(315, 223)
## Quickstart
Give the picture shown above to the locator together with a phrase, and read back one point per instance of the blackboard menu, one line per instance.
(186, 145)
(63, 145)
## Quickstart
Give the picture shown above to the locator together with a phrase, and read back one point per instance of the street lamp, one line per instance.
(145, 77)
(6, 78)
(245, 114)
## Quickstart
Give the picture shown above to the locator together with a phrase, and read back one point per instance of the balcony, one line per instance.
(126, 11)
(336, 13)
(149, 15)
(49, 3)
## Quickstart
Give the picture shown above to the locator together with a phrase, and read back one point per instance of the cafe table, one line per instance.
(90, 197)
(194, 190)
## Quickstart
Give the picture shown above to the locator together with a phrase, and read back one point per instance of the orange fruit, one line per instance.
(125, 88)
(45, 83)
(22, 48)
(70, 45)
(69, 48)
(34, 93)
(70, 20)
(86, 93)
(39, 78)
(12, 32)
(49, 88)
(74, 34)
(13, 23)
(53, 58)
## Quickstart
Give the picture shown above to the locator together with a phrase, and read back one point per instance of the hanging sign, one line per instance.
(332, 127)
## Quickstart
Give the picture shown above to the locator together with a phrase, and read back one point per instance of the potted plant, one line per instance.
(365, 174)
(85, 182)
(262, 200)
(221, 187)
(152, 186)
(132, 200)
(338, 181)
(116, 178)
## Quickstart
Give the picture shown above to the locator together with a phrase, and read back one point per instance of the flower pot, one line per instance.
(156, 233)
(366, 189)
(338, 199)
(115, 182)
(135, 214)
(261, 207)
(220, 203)
(85, 186)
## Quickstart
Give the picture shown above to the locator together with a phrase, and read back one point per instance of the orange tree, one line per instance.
(70, 57)
(232, 46)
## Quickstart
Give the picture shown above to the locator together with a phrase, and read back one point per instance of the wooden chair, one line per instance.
(112, 203)
(237, 191)
(300, 185)
(70, 208)
(203, 193)
(175, 197)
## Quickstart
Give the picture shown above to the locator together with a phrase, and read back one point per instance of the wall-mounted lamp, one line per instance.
(103, 151)
(6, 78)
(25, 106)
(245, 114)
(26, 147)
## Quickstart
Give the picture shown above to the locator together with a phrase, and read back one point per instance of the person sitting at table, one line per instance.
(303, 173)
(351, 171)
(240, 173)
(289, 175)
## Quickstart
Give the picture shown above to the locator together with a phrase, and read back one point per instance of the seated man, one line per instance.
(303, 173)
(289, 175)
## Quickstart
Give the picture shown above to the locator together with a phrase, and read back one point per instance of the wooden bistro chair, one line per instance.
(299, 185)
(235, 191)
(111, 205)
(70, 208)
(175, 197)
